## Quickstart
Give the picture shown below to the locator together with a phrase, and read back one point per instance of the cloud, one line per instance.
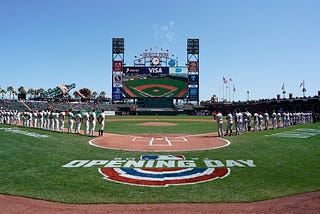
(163, 34)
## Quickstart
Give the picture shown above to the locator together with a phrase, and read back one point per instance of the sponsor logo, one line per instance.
(117, 66)
(161, 170)
(18, 131)
(193, 66)
(155, 70)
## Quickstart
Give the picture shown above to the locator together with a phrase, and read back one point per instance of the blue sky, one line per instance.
(259, 44)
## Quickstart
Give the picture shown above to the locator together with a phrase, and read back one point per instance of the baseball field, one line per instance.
(66, 168)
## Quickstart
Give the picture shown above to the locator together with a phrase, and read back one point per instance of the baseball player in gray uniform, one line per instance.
(100, 119)
(92, 122)
(85, 118)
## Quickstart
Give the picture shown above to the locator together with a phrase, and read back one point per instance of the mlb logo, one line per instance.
(162, 157)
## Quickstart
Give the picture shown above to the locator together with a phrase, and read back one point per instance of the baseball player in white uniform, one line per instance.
(78, 118)
(70, 121)
(278, 120)
(256, 121)
(274, 119)
(85, 123)
(219, 119)
(61, 121)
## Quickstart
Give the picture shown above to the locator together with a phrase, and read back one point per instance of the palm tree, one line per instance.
(102, 94)
(21, 90)
(10, 89)
(94, 94)
(30, 91)
(41, 90)
(3, 92)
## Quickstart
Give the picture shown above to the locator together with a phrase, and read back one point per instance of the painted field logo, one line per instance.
(161, 170)
(161, 177)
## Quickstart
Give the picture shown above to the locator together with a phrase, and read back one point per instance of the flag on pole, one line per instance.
(301, 84)
(230, 79)
(225, 80)
(234, 88)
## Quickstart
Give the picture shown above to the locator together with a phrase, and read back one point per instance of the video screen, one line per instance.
(140, 82)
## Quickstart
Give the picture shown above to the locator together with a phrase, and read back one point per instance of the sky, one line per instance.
(260, 45)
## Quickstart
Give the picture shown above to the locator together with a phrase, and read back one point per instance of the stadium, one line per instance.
(159, 151)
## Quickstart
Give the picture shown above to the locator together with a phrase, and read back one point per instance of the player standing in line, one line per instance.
(29, 120)
(239, 123)
(266, 120)
(92, 122)
(78, 118)
(260, 118)
(85, 123)
(34, 119)
(100, 120)
(274, 119)
(40, 119)
(56, 121)
(249, 120)
(229, 123)
(278, 119)
(70, 121)
(61, 121)
(219, 119)
(51, 117)
(245, 121)
(255, 121)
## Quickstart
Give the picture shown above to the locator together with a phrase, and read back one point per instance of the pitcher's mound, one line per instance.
(156, 124)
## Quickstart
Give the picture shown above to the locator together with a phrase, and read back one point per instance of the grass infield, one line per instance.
(32, 167)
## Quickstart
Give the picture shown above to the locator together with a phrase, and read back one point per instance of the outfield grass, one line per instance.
(32, 167)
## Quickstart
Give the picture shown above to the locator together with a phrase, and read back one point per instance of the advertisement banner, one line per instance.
(117, 93)
(155, 70)
(145, 70)
(117, 66)
(193, 66)
(193, 94)
(117, 80)
(181, 71)
(193, 79)
(131, 70)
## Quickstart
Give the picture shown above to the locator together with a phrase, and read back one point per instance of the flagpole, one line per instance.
(222, 92)
(229, 92)
(304, 89)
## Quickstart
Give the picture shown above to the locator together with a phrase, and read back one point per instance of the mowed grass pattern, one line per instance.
(32, 167)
